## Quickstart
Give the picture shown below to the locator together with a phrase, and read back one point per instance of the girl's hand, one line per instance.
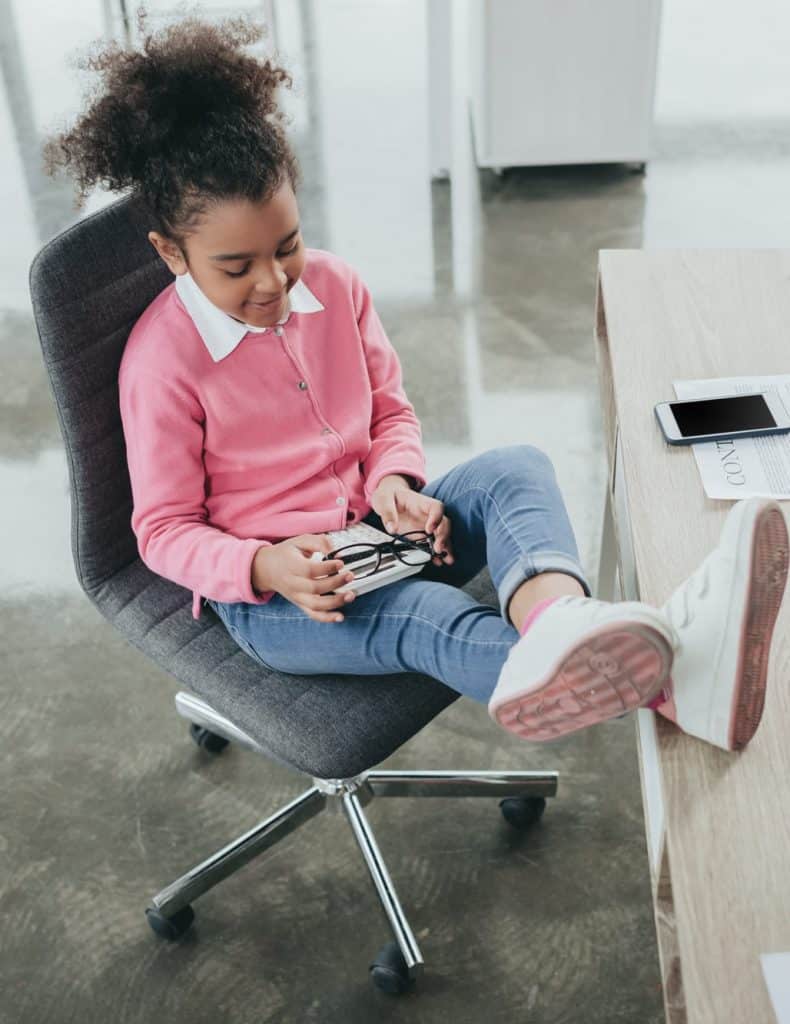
(288, 568)
(401, 510)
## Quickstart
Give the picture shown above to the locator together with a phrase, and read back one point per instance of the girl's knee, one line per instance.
(520, 458)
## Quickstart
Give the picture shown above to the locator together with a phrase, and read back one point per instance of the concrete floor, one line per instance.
(487, 292)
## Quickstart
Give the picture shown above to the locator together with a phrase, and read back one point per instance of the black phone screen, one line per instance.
(722, 415)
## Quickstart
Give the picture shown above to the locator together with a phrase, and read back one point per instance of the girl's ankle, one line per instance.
(534, 612)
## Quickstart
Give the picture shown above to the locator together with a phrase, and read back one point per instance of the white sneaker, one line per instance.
(723, 617)
(580, 662)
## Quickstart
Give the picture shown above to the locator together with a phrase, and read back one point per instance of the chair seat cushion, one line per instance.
(329, 726)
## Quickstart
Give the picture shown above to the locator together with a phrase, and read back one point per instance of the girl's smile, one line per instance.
(270, 306)
(267, 303)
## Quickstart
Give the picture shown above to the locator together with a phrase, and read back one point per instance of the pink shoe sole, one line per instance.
(611, 671)
(768, 577)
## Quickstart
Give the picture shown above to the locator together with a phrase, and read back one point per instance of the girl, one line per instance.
(263, 405)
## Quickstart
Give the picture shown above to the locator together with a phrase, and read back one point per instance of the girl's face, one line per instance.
(244, 256)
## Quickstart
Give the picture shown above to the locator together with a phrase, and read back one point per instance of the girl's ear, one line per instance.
(169, 252)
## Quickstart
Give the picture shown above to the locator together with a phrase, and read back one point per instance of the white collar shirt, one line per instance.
(220, 332)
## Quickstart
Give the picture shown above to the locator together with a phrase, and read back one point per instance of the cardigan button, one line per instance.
(278, 330)
(302, 385)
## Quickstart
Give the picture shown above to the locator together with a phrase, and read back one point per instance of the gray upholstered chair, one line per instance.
(88, 287)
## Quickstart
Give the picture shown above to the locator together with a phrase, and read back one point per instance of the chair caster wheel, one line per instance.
(207, 740)
(170, 928)
(389, 972)
(522, 811)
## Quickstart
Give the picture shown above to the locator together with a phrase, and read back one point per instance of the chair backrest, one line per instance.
(88, 286)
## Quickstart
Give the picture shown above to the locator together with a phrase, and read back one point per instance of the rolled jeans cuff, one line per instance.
(533, 565)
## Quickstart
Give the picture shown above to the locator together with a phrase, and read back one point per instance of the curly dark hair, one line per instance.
(185, 121)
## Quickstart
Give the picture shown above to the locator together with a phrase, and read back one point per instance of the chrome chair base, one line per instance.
(348, 796)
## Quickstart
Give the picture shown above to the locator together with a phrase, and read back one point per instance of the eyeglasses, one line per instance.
(413, 548)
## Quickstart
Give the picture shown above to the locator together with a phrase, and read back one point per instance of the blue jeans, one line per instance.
(506, 511)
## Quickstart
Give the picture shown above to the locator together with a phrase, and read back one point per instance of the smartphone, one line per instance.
(718, 419)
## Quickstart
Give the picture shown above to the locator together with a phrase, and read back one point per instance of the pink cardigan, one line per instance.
(289, 433)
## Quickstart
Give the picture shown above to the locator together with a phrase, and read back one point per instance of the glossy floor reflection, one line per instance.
(486, 289)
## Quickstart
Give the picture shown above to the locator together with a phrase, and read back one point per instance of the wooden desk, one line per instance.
(718, 824)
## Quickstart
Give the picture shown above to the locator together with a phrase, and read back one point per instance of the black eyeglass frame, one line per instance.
(384, 546)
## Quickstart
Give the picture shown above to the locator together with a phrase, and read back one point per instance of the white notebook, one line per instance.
(390, 569)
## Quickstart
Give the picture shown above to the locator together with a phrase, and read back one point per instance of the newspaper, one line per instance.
(746, 466)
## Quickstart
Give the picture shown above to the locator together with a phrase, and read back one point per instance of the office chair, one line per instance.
(88, 287)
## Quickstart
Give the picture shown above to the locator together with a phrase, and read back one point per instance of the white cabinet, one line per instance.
(560, 81)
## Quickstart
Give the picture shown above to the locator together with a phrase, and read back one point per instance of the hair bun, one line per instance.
(167, 114)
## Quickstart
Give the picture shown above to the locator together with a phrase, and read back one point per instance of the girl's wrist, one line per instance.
(409, 481)
(258, 575)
